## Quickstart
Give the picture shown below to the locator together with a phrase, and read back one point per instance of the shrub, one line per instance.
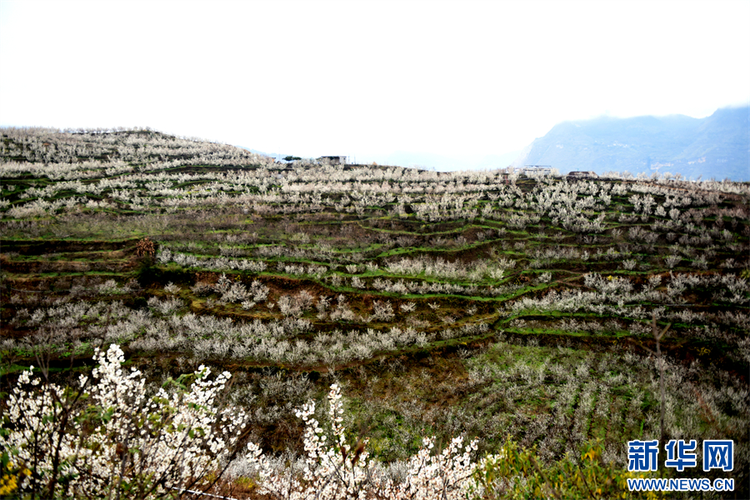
(109, 438)
(145, 248)
(382, 311)
(518, 473)
(629, 264)
(336, 469)
(672, 260)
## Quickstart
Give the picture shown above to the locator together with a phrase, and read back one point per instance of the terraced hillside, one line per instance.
(483, 304)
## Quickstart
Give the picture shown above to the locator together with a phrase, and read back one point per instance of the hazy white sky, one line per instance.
(364, 78)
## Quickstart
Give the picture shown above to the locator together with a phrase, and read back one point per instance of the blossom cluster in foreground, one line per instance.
(337, 470)
(111, 438)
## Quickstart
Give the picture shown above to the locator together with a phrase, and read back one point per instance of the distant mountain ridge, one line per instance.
(717, 146)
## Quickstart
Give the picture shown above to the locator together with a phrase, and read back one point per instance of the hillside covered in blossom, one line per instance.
(529, 325)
